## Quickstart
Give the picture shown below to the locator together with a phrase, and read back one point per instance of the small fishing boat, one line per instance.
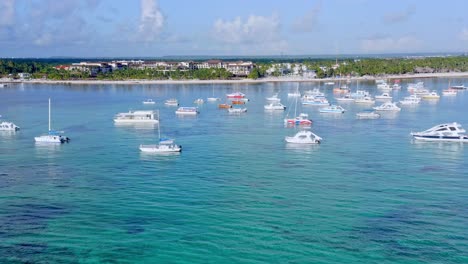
(187, 110)
(171, 102)
(224, 106)
(149, 102)
(311, 100)
(334, 109)
(237, 110)
(304, 137)
(212, 99)
(388, 106)
(450, 132)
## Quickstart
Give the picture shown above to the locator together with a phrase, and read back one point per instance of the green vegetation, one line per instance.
(323, 67)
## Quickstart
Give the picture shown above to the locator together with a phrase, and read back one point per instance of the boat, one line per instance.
(304, 137)
(431, 96)
(52, 136)
(415, 86)
(332, 109)
(301, 120)
(294, 94)
(410, 100)
(149, 101)
(383, 96)
(345, 98)
(235, 95)
(237, 102)
(199, 101)
(273, 98)
(237, 110)
(367, 115)
(384, 86)
(136, 117)
(396, 86)
(275, 106)
(184, 110)
(449, 132)
(420, 91)
(364, 100)
(8, 126)
(224, 106)
(359, 94)
(320, 101)
(164, 145)
(171, 102)
(2, 85)
(379, 81)
(341, 90)
(388, 106)
(315, 93)
(449, 92)
(459, 87)
(212, 98)
(329, 83)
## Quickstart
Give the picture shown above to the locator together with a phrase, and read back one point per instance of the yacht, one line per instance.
(237, 110)
(383, 86)
(315, 93)
(302, 120)
(359, 94)
(136, 117)
(8, 126)
(396, 86)
(212, 99)
(431, 96)
(52, 136)
(345, 98)
(367, 115)
(410, 100)
(171, 102)
(449, 92)
(420, 91)
(332, 109)
(275, 106)
(388, 106)
(149, 101)
(379, 81)
(187, 111)
(459, 87)
(315, 101)
(450, 132)
(235, 95)
(199, 101)
(365, 100)
(304, 137)
(383, 96)
(415, 86)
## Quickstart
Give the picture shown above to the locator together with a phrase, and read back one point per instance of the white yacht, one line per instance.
(359, 94)
(367, 115)
(172, 102)
(237, 110)
(411, 100)
(311, 100)
(449, 92)
(136, 117)
(187, 111)
(304, 137)
(149, 102)
(345, 98)
(52, 136)
(275, 106)
(365, 100)
(384, 86)
(334, 109)
(388, 106)
(450, 132)
(294, 94)
(8, 126)
(431, 96)
(383, 96)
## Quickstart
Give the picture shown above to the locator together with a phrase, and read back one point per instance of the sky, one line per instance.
(153, 28)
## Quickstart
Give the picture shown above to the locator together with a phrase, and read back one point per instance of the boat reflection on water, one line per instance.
(143, 126)
(302, 148)
(441, 149)
(162, 156)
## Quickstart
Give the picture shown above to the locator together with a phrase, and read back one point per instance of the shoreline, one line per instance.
(241, 81)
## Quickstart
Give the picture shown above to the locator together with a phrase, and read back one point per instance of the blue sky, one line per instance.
(112, 28)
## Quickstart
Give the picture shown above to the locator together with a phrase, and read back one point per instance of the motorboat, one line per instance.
(431, 96)
(383, 96)
(184, 110)
(302, 120)
(294, 94)
(415, 86)
(449, 132)
(238, 102)
(52, 136)
(149, 102)
(199, 101)
(136, 117)
(384, 86)
(315, 93)
(224, 106)
(315, 101)
(8, 126)
(449, 92)
(172, 102)
(304, 137)
(345, 98)
(420, 91)
(164, 145)
(359, 94)
(410, 100)
(275, 106)
(379, 81)
(212, 99)
(364, 100)
(367, 115)
(459, 87)
(341, 90)
(237, 110)
(388, 106)
(396, 86)
(273, 98)
(235, 95)
(332, 109)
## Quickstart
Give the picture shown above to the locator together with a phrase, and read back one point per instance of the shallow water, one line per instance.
(237, 192)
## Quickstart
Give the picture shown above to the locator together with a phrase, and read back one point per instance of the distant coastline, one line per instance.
(233, 81)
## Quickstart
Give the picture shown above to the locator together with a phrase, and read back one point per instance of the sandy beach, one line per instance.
(261, 80)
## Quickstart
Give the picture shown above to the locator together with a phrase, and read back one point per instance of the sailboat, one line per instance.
(165, 145)
(52, 136)
(302, 119)
(212, 98)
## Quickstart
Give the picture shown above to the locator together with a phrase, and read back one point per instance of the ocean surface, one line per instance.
(237, 193)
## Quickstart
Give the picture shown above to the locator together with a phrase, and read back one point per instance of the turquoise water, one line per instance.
(237, 193)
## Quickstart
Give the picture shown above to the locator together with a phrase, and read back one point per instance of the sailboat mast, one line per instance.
(49, 114)
(159, 129)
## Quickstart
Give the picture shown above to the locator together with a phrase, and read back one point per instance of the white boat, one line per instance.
(359, 94)
(411, 100)
(199, 101)
(8, 126)
(332, 109)
(367, 115)
(311, 100)
(301, 120)
(294, 94)
(396, 86)
(235, 95)
(52, 136)
(384, 86)
(379, 81)
(164, 145)
(459, 87)
(450, 132)
(420, 91)
(273, 98)
(136, 117)
(388, 106)
(212, 99)
(237, 110)
(275, 106)
(345, 98)
(315, 93)
(304, 137)
(329, 83)
(187, 111)
(431, 96)
(365, 100)
(449, 92)
(171, 102)
(415, 86)
(149, 101)
(383, 96)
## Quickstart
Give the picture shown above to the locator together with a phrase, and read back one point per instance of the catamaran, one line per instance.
(52, 136)
(164, 145)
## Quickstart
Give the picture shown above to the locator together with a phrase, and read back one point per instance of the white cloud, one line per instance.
(390, 44)
(309, 21)
(152, 20)
(463, 34)
(398, 17)
(7, 12)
